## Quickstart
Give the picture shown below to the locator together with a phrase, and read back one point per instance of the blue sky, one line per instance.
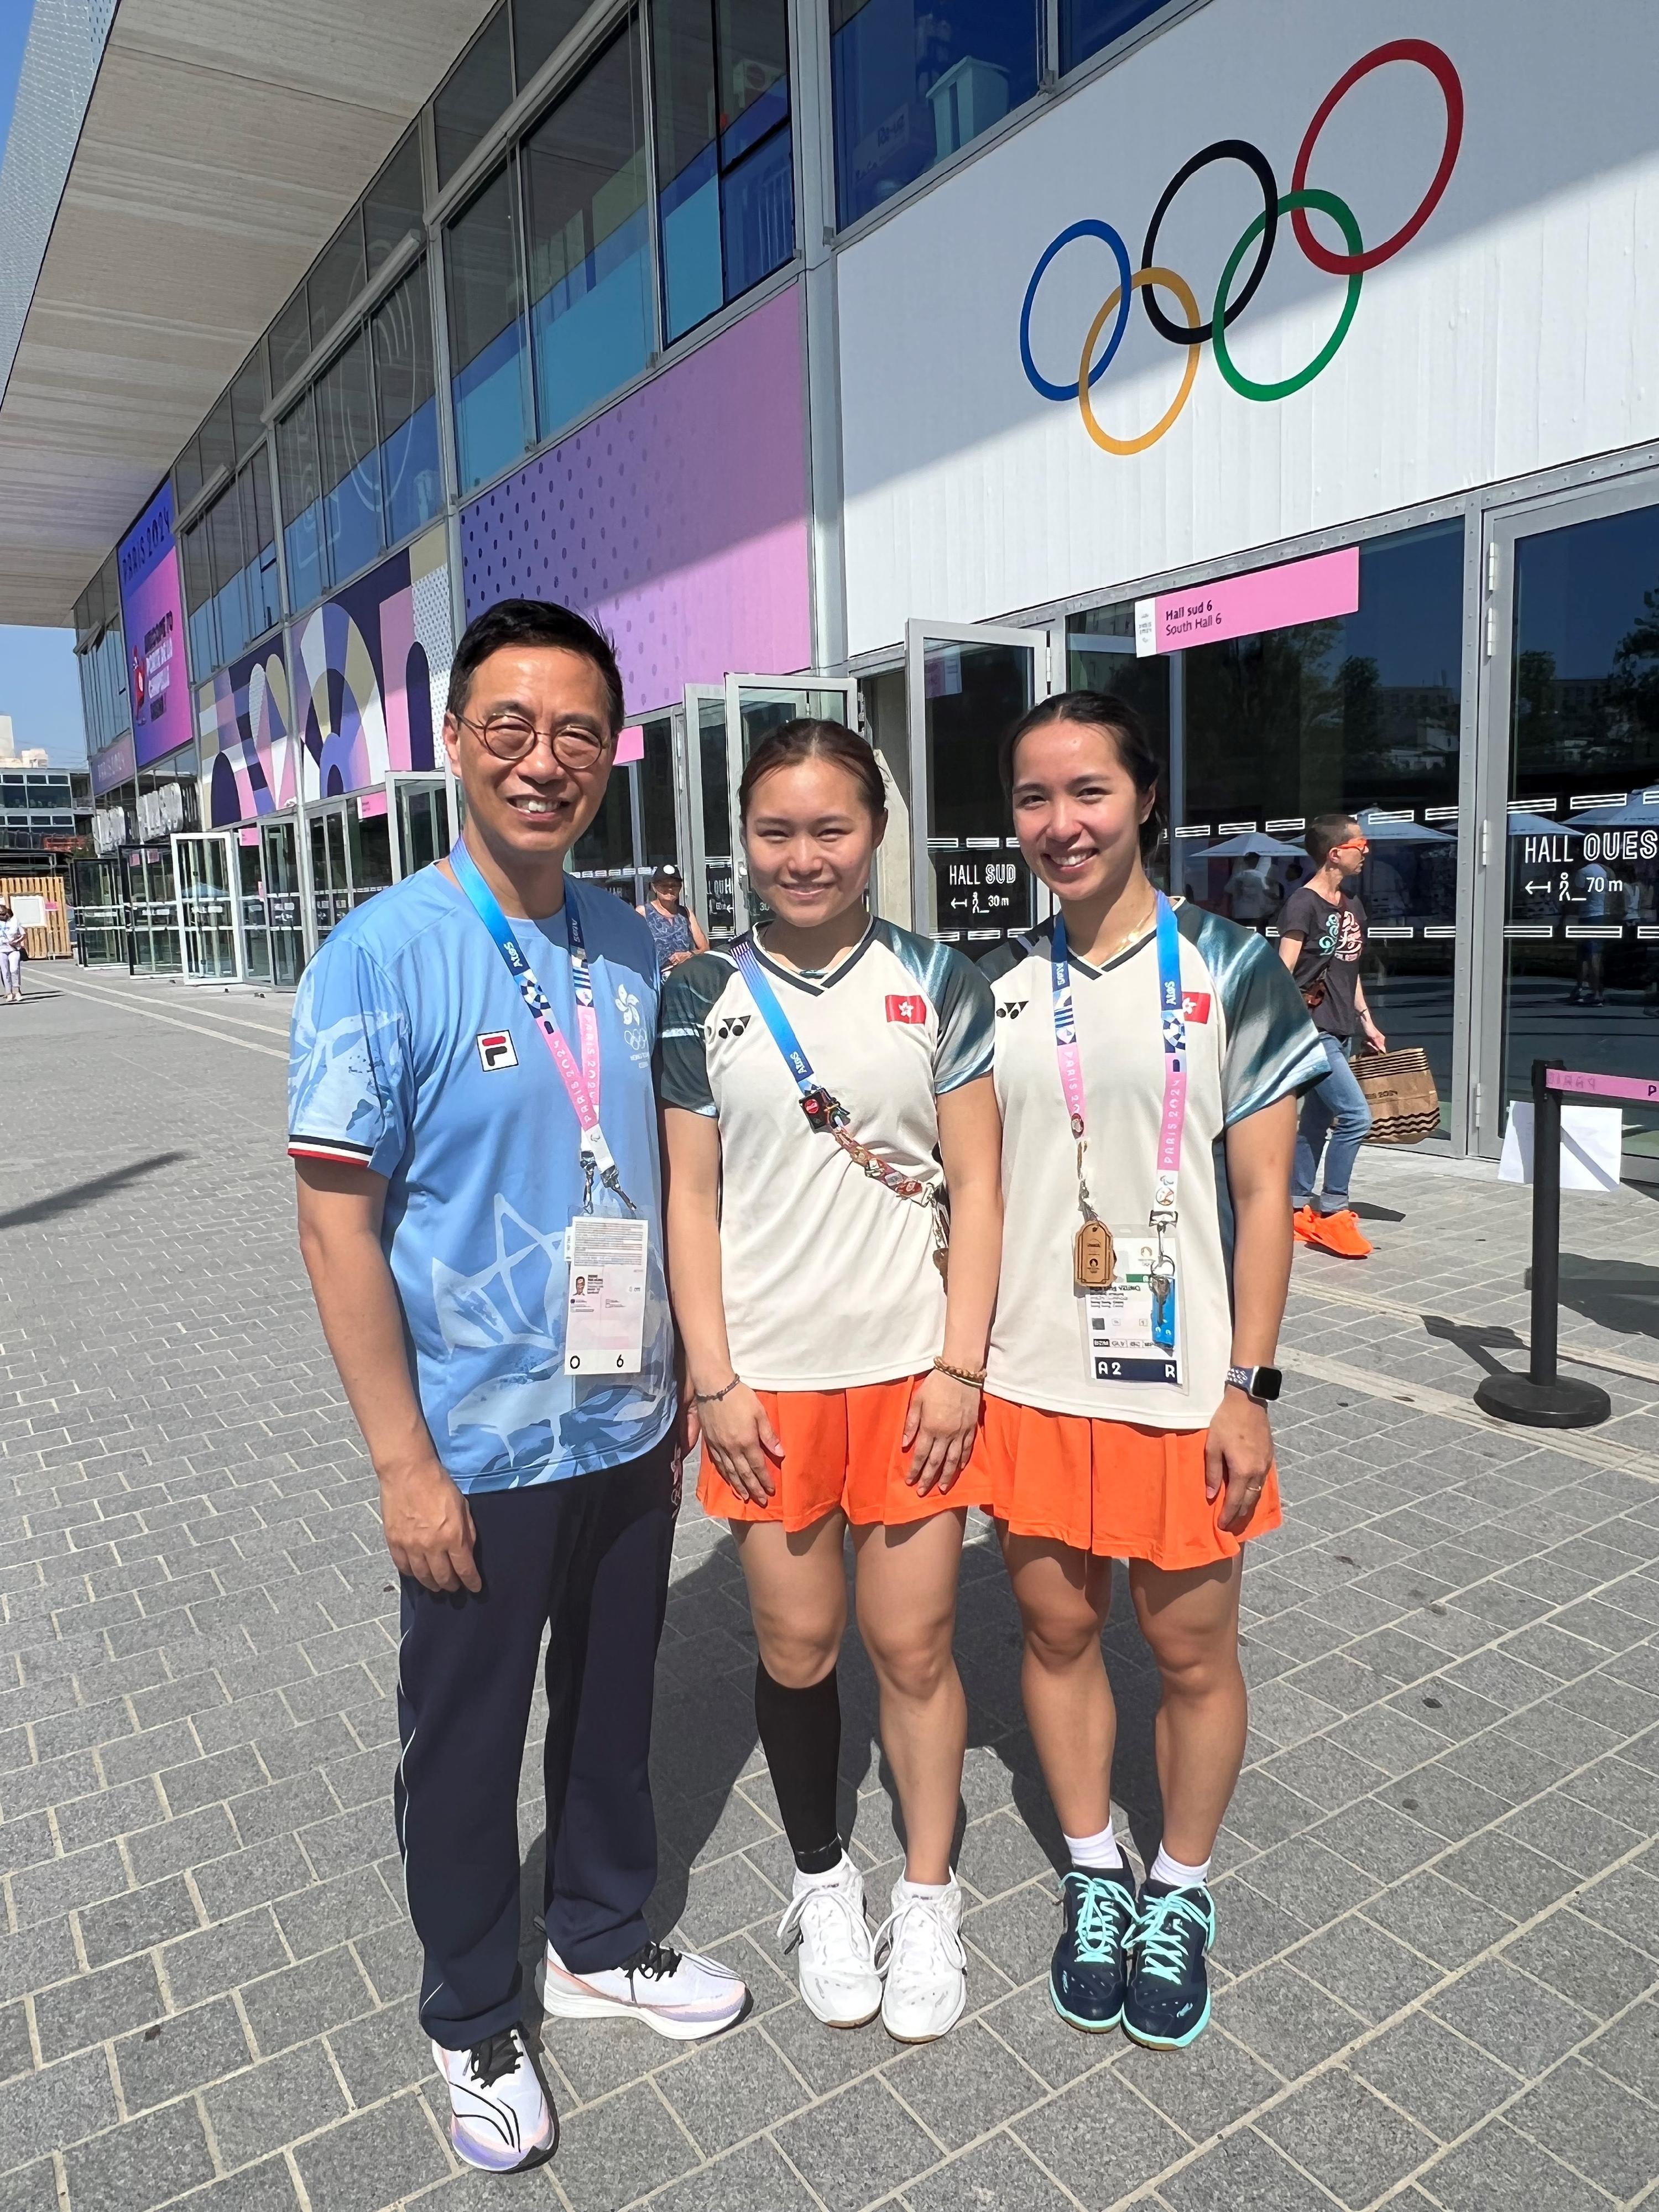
(39, 687)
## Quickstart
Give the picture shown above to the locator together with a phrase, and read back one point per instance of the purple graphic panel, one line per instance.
(678, 520)
(153, 619)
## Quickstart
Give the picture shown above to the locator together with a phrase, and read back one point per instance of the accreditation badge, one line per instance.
(1132, 1328)
(605, 1304)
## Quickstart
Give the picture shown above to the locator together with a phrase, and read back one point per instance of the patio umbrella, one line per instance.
(1385, 832)
(1540, 825)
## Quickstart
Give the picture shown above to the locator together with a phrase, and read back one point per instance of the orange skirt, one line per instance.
(1110, 1487)
(841, 1449)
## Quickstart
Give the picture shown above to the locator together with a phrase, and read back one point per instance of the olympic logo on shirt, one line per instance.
(1152, 277)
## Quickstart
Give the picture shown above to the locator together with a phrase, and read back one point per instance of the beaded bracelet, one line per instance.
(973, 1376)
(714, 1397)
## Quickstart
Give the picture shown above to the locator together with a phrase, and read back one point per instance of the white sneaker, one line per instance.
(918, 1952)
(500, 2116)
(680, 1993)
(839, 1983)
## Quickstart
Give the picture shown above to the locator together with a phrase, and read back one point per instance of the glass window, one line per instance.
(338, 276)
(1086, 25)
(1581, 944)
(724, 165)
(296, 463)
(537, 27)
(186, 477)
(477, 91)
(656, 819)
(392, 204)
(248, 404)
(347, 451)
(590, 278)
(260, 544)
(218, 442)
(486, 334)
(913, 82)
(1359, 715)
(405, 390)
(607, 846)
(224, 536)
(291, 340)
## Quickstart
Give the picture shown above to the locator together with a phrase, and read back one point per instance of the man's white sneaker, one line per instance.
(919, 1951)
(680, 1993)
(839, 1983)
(500, 2116)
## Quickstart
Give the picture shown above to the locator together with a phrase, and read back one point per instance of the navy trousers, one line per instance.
(586, 1558)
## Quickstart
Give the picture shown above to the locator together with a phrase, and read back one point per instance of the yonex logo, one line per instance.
(734, 1026)
(1012, 1010)
(495, 1051)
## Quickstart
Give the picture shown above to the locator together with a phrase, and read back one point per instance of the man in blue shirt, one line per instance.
(470, 1093)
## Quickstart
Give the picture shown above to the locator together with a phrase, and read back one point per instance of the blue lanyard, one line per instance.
(822, 1108)
(1172, 1021)
(582, 1083)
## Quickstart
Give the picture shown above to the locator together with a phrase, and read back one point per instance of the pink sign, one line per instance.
(1601, 1086)
(1240, 606)
(630, 745)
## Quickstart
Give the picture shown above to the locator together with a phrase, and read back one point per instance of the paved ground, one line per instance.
(1439, 1913)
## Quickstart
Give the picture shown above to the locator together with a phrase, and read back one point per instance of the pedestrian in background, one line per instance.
(824, 1088)
(474, 1129)
(13, 949)
(675, 930)
(1148, 1056)
(1322, 941)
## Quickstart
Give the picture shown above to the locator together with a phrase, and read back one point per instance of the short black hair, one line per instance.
(532, 622)
(1325, 833)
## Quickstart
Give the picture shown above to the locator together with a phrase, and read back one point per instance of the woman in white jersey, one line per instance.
(813, 1083)
(1148, 1056)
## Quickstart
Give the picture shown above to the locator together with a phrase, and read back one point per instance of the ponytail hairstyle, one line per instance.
(809, 739)
(1101, 710)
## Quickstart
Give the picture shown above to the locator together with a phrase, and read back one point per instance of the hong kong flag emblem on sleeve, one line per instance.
(908, 1009)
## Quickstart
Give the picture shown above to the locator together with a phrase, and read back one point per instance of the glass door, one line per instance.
(418, 811)
(754, 707)
(279, 865)
(1571, 843)
(152, 902)
(965, 687)
(256, 907)
(205, 866)
(330, 880)
(708, 811)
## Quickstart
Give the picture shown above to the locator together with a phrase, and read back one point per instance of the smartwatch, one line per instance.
(1262, 1383)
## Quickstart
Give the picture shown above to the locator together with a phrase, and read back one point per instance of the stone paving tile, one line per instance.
(1438, 1970)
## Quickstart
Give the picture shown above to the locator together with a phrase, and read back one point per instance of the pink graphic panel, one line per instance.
(677, 520)
(1243, 607)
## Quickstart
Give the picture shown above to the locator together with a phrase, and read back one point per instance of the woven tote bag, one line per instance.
(1400, 1090)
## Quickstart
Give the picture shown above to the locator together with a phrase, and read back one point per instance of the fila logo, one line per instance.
(914, 1011)
(495, 1051)
(1195, 1004)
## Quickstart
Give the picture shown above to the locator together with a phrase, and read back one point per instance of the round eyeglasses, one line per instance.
(510, 737)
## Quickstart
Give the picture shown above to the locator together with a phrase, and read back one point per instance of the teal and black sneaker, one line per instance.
(1089, 1972)
(1167, 2004)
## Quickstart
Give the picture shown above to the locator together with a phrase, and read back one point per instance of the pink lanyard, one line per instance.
(1173, 1021)
(581, 1084)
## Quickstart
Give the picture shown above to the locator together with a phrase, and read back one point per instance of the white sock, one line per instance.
(828, 1881)
(1164, 1868)
(1100, 1851)
(908, 1888)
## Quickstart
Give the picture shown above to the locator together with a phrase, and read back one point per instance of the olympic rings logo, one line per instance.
(1152, 276)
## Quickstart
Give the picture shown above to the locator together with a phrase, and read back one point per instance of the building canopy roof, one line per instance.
(220, 141)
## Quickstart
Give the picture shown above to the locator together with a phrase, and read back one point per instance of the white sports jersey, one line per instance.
(1249, 1041)
(828, 1276)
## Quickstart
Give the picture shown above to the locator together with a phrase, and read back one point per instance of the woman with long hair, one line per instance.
(827, 1094)
(1148, 1056)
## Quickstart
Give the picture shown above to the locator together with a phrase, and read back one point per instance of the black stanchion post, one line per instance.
(1541, 1398)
